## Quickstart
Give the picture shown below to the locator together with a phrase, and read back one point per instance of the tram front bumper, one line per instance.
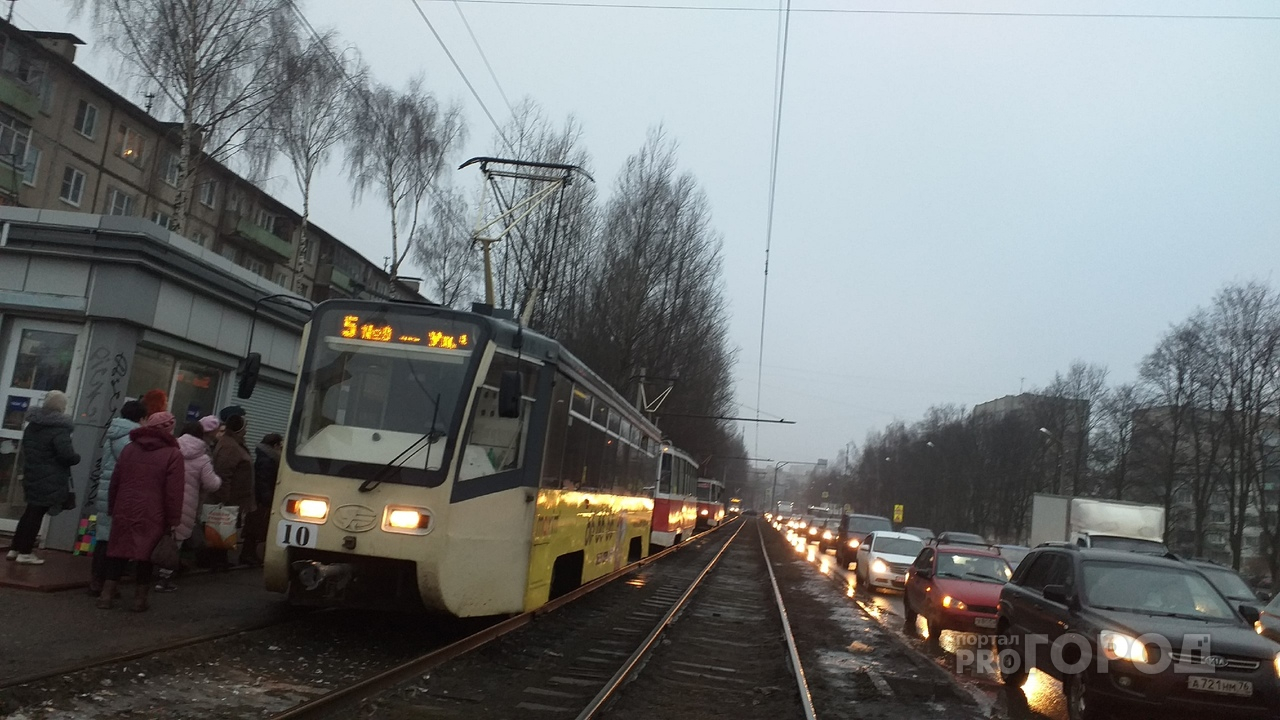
(313, 575)
(331, 579)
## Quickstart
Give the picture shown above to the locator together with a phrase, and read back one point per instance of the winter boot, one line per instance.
(107, 598)
(140, 597)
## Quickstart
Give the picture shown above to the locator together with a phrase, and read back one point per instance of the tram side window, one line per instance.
(553, 463)
(496, 444)
(666, 474)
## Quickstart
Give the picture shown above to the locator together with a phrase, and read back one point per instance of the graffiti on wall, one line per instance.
(103, 396)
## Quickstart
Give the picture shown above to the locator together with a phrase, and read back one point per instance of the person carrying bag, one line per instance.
(233, 463)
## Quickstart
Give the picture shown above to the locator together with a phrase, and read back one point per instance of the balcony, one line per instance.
(329, 275)
(17, 96)
(281, 247)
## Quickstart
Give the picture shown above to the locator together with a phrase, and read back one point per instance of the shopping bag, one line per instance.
(165, 555)
(220, 526)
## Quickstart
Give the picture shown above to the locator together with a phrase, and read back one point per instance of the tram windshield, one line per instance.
(380, 388)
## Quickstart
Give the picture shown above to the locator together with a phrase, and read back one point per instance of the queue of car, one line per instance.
(1165, 636)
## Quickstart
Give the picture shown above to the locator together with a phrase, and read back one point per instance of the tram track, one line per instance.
(583, 660)
(445, 681)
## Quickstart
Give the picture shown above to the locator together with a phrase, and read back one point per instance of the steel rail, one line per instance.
(615, 683)
(329, 703)
(806, 699)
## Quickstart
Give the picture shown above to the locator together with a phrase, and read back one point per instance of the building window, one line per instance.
(282, 279)
(255, 266)
(200, 239)
(170, 170)
(31, 166)
(163, 219)
(264, 220)
(72, 186)
(209, 194)
(228, 252)
(130, 145)
(47, 92)
(86, 119)
(119, 202)
(192, 387)
(14, 136)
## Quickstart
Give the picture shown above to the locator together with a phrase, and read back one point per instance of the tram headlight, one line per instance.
(307, 508)
(826, 535)
(415, 521)
(704, 512)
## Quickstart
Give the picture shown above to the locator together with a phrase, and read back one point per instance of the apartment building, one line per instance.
(70, 142)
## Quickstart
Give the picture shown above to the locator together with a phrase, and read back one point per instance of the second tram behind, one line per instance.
(710, 503)
(458, 462)
(675, 500)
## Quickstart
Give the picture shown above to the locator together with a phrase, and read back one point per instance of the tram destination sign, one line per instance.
(356, 328)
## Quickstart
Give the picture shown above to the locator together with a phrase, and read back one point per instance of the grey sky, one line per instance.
(963, 202)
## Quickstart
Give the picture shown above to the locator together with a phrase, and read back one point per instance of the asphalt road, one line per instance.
(959, 651)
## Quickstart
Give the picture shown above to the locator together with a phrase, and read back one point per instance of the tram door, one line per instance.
(38, 357)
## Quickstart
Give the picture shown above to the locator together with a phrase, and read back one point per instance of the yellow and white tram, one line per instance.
(456, 460)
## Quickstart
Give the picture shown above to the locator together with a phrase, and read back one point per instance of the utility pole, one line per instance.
(500, 215)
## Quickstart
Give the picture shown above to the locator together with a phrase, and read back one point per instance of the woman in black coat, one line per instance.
(47, 459)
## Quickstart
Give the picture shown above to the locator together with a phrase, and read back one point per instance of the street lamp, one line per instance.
(773, 494)
(1057, 478)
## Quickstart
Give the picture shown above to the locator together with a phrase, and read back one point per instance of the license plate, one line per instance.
(296, 535)
(984, 622)
(1242, 688)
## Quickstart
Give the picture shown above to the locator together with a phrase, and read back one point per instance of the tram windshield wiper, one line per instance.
(430, 437)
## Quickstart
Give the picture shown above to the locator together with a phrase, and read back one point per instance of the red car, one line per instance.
(955, 587)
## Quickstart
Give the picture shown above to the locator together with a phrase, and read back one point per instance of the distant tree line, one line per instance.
(1198, 432)
(632, 283)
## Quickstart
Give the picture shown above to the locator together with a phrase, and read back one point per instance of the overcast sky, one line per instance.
(965, 203)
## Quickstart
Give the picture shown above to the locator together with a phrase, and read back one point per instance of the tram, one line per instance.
(675, 500)
(457, 462)
(710, 503)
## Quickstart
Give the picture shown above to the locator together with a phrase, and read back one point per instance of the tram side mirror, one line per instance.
(250, 367)
(509, 391)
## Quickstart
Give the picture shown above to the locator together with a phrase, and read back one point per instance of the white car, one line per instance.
(884, 557)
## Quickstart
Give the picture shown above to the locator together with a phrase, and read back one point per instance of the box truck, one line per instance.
(1093, 522)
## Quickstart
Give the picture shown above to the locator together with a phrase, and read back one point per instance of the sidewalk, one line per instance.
(60, 571)
(45, 631)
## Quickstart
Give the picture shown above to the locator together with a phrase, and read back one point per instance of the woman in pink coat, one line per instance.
(145, 502)
(200, 481)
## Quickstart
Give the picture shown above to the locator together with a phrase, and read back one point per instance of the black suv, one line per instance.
(1135, 633)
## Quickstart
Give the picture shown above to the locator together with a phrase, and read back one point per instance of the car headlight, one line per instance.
(1276, 662)
(1257, 626)
(1118, 646)
(854, 544)
(826, 535)
(813, 531)
(879, 566)
(951, 603)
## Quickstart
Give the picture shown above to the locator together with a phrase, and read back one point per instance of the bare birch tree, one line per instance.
(318, 93)
(442, 248)
(397, 148)
(211, 63)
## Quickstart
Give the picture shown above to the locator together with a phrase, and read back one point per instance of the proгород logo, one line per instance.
(1072, 652)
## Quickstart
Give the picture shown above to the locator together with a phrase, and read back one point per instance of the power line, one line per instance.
(463, 75)
(858, 11)
(485, 58)
(779, 85)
